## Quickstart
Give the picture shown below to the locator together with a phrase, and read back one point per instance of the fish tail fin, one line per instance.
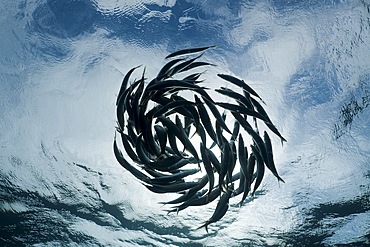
(168, 211)
(282, 139)
(193, 134)
(280, 179)
(162, 204)
(205, 225)
(252, 195)
(213, 144)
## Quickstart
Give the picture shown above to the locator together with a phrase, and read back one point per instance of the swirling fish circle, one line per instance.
(158, 125)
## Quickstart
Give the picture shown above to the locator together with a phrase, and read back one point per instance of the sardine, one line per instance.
(173, 177)
(260, 169)
(216, 114)
(164, 72)
(189, 51)
(138, 174)
(204, 117)
(177, 187)
(239, 83)
(270, 159)
(268, 122)
(125, 82)
(208, 167)
(221, 209)
(240, 109)
(162, 137)
(236, 96)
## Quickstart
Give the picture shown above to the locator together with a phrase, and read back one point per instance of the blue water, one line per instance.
(62, 63)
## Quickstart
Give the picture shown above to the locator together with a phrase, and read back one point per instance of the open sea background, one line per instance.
(62, 63)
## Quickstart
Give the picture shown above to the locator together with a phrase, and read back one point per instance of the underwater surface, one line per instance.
(62, 64)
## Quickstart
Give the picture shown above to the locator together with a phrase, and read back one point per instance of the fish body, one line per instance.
(167, 85)
(236, 130)
(245, 101)
(172, 105)
(212, 157)
(185, 139)
(270, 159)
(125, 82)
(189, 51)
(165, 164)
(162, 137)
(225, 162)
(216, 114)
(208, 167)
(268, 121)
(239, 83)
(260, 169)
(255, 136)
(143, 157)
(204, 117)
(138, 174)
(169, 188)
(165, 70)
(241, 109)
(126, 144)
(183, 66)
(187, 195)
(221, 209)
(167, 179)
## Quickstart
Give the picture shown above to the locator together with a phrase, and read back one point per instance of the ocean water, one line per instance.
(62, 63)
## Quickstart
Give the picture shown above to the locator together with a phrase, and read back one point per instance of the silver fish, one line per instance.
(189, 51)
(239, 83)
(268, 122)
(138, 174)
(177, 187)
(245, 101)
(167, 179)
(221, 209)
(164, 72)
(240, 109)
(260, 168)
(204, 117)
(216, 114)
(125, 82)
(162, 137)
(270, 159)
(208, 168)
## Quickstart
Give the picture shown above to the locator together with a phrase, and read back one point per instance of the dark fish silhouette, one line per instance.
(221, 209)
(270, 159)
(189, 51)
(205, 119)
(208, 168)
(239, 83)
(165, 71)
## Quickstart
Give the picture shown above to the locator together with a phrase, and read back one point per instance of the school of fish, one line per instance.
(171, 130)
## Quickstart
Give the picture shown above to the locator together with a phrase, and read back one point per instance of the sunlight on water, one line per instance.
(60, 74)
